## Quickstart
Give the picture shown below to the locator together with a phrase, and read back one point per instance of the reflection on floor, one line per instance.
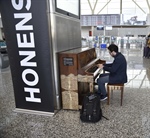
(132, 120)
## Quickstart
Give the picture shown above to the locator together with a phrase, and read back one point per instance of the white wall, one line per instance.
(116, 31)
(1, 38)
(1, 29)
(85, 31)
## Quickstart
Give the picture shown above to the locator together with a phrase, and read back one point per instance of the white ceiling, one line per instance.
(134, 7)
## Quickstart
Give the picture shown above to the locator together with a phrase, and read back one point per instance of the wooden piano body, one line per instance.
(77, 73)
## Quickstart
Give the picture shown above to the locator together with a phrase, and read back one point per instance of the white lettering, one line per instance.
(25, 44)
(25, 61)
(30, 71)
(26, 40)
(32, 98)
(19, 6)
(26, 17)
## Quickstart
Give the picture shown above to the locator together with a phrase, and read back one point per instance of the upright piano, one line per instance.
(78, 71)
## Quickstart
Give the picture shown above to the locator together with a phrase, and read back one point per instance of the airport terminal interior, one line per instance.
(131, 120)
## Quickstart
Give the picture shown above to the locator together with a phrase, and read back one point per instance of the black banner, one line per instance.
(26, 31)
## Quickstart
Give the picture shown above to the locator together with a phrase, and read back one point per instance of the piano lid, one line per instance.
(76, 50)
(85, 57)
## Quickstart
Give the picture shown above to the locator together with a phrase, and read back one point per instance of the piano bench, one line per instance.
(111, 87)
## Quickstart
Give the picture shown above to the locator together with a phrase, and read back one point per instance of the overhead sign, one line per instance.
(102, 19)
(29, 48)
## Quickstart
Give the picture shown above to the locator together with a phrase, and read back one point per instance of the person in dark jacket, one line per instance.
(117, 71)
(146, 49)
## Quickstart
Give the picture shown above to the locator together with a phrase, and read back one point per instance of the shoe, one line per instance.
(104, 97)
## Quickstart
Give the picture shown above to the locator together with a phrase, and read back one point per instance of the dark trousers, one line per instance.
(146, 52)
(103, 78)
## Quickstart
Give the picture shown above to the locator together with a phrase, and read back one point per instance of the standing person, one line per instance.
(146, 50)
(117, 71)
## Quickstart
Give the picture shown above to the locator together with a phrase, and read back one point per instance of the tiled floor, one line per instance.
(132, 120)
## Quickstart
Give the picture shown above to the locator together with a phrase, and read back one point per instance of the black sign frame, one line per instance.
(29, 45)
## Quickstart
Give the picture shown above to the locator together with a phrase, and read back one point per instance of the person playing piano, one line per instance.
(117, 71)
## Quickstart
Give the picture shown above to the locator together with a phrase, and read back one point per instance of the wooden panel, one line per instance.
(69, 88)
(70, 100)
(68, 64)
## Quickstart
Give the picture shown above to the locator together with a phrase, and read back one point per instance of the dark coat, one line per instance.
(148, 41)
(117, 69)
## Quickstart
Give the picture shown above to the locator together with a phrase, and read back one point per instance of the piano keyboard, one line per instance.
(92, 69)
